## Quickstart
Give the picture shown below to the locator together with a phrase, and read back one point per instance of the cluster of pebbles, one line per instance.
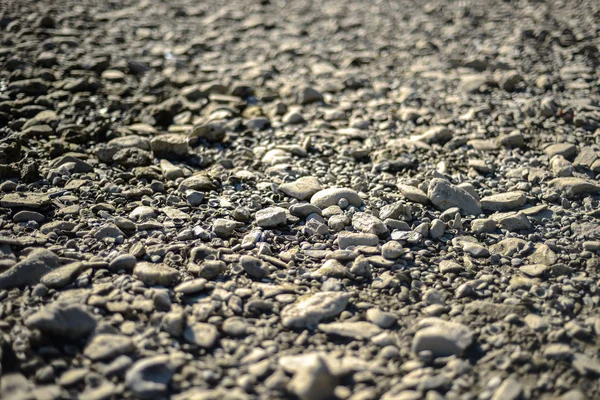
(284, 199)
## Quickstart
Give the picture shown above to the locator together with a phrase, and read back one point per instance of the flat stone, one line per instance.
(567, 150)
(24, 199)
(107, 346)
(271, 217)
(533, 270)
(441, 337)
(447, 267)
(512, 221)
(380, 318)
(354, 330)
(62, 276)
(155, 274)
(25, 216)
(574, 186)
(347, 239)
(503, 201)
(29, 271)
(331, 197)
(445, 195)
(302, 188)
(435, 134)
(310, 310)
(198, 182)
(201, 334)
(71, 321)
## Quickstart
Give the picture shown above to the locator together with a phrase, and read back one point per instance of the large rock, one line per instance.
(71, 321)
(29, 271)
(24, 199)
(503, 201)
(441, 337)
(330, 197)
(149, 377)
(312, 379)
(107, 346)
(444, 195)
(574, 186)
(310, 310)
(302, 188)
(271, 217)
(171, 145)
(155, 274)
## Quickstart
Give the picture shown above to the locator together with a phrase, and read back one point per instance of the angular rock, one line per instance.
(445, 195)
(29, 271)
(155, 274)
(310, 310)
(441, 337)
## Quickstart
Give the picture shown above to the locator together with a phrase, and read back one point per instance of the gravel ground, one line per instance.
(296, 199)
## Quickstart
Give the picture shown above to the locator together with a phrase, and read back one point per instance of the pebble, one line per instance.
(312, 379)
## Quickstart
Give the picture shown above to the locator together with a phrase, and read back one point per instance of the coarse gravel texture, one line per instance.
(297, 199)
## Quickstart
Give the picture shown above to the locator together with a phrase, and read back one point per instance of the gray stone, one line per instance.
(106, 346)
(445, 195)
(149, 377)
(25, 216)
(171, 145)
(24, 199)
(302, 188)
(510, 389)
(380, 318)
(271, 217)
(503, 201)
(567, 150)
(310, 310)
(255, 267)
(413, 194)
(306, 95)
(125, 262)
(355, 330)
(29, 271)
(312, 379)
(368, 223)
(348, 239)
(62, 276)
(575, 186)
(71, 321)
(198, 182)
(155, 274)
(441, 337)
(201, 334)
(331, 197)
